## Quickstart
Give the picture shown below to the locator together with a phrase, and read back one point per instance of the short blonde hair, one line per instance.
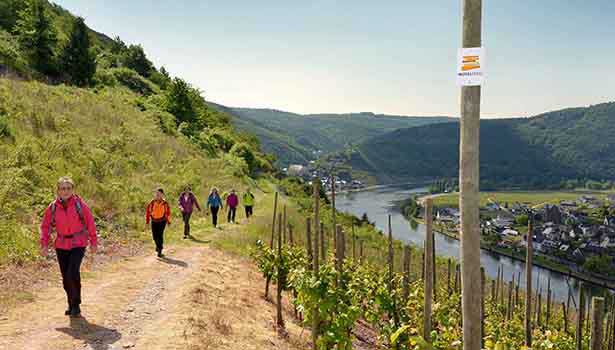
(65, 180)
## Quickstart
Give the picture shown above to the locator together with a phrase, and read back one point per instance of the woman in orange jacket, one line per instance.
(159, 214)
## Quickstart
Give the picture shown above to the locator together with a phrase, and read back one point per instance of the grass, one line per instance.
(115, 152)
(534, 198)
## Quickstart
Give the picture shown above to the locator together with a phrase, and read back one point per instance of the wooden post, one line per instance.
(323, 243)
(354, 238)
(291, 239)
(548, 303)
(528, 285)
(502, 284)
(390, 259)
(457, 278)
(433, 267)
(509, 308)
(275, 208)
(448, 277)
(580, 316)
(406, 281)
(284, 227)
(565, 311)
(597, 323)
(317, 234)
(339, 250)
(428, 281)
(281, 278)
(361, 251)
(497, 283)
(333, 216)
(539, 310)
(482, 307)
(468, 183)
(308, 242)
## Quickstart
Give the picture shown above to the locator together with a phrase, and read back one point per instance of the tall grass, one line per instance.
(116, 153)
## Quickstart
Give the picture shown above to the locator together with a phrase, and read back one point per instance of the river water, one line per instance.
(378, 203)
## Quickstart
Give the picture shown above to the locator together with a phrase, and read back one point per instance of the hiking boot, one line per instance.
(68, 311)
(75, 312)
(185, 237)
(160, 254)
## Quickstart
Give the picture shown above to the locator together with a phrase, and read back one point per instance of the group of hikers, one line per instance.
(73, 223)
(158, 211)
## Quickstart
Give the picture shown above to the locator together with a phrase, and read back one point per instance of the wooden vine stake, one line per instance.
(309, 244)
(580, 316)
(275, 208)
(597, 323)
(406, 281)
(528, 286)
(428, 281)
(281, 277)
(482, 306)
(316, 263)
(390, 259)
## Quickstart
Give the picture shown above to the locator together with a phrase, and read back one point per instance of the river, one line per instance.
(378, 203)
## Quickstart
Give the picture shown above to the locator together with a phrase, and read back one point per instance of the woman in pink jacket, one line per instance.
(72, 221)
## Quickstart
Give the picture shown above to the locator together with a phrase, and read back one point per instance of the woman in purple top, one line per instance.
(187, 202)
(232, 201)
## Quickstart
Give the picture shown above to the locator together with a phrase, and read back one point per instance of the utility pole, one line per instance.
(469, 191)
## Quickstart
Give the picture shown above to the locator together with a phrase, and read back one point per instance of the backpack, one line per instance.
(81, 218)
(158, 210)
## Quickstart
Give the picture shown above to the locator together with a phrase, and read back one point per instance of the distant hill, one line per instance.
(542, 150)
(294, 138)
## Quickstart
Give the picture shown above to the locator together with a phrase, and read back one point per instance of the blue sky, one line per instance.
(394, 57)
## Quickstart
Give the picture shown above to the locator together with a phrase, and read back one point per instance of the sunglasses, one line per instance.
(65, 188)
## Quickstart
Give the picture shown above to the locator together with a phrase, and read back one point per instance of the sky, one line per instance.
(393, 57)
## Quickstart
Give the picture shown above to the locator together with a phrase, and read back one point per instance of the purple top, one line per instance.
(232, 200)
(187, 200)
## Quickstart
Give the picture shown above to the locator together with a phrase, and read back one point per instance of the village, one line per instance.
(343, 180)
(574, 235)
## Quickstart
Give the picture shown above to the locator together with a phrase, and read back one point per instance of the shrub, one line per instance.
(133, 81)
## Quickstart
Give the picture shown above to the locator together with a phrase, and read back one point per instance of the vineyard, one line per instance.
(408, 296)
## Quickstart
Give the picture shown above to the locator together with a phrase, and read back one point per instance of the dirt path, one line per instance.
(197, 298)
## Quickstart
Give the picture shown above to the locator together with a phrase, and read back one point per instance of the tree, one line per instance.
(9, 12)
(179, 101)
(77, 60)
(37, 36)
(521, 220)
(135, 58)
(598, 264)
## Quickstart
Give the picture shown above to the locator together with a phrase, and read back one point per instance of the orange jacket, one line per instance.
(158, 210)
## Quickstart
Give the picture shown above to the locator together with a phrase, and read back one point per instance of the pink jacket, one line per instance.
(67, 223)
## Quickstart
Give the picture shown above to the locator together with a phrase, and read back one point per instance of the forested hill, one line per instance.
(294, 138)
(574, 143)
(73, 102)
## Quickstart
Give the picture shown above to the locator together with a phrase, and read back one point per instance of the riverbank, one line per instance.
(539, 260)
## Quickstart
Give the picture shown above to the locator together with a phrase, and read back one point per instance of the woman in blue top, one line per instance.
(214, 203)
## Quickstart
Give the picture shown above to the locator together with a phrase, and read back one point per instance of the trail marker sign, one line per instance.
(470, 66)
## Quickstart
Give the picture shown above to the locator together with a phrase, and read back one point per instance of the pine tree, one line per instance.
(77, 60)
(135, 58)
(37, 36)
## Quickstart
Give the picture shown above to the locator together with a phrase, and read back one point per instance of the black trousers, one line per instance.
(70, 266)
(248, 211)
(231, 214)
(186, 217)
(214, 215)
(158, 234)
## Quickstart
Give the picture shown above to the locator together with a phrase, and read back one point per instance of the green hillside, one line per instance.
(294, 138)
(577, 143)
(126, 129)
